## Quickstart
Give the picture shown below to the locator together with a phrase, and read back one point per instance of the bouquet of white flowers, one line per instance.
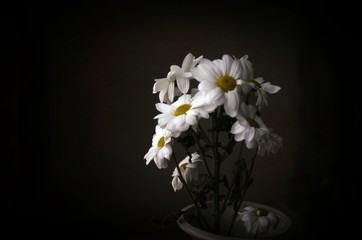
(222, 112)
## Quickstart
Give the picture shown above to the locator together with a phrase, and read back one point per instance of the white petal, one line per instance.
(191, 119)
(267, 87)
(215, 96)
(150, 154)
(187, 62)
(160, 84)
(249, 217)
(245, 87)
(163, 120)
(249, 208)
(231, 103)
(184, 99)
(183, 84)
(208, 71)
(174, 69)
(235, 69)
(203, 114)
(264, 222)
(246, 68)
(249, 134)
(161, 163)
(176, 183)
(226, 64)
(206, 86)
(171, 91)
(164, 108)
(236, 128)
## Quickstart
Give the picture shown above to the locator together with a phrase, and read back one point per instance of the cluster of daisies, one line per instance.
(226, 83)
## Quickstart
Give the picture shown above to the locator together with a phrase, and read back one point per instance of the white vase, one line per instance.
(282, 231)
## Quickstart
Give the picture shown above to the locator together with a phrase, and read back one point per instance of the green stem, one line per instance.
(216, 170)
(233, 182)
(189, 192)
(203, 134)
(202, 153)
(244, 191)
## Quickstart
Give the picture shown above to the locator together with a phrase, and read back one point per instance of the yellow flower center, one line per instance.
(182, 109)
(252, 122)
(255, 83)
(183, 166)
(226, 83)
(261, 212)
(161, 142)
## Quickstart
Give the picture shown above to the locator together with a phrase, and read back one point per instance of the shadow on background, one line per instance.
(80, 112)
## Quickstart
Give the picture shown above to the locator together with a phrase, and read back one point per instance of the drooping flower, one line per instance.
(257, 220)
(188, 168)
(180, 75)
(269, 143)
(220, 79)
(180, 115)
(258, 84)
(249, 126)
(161, 149)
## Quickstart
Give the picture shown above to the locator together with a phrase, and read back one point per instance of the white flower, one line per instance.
(220, 79)
(269, 143)
(258, 220)
(258, 84)
(182, 77)
(161, 149)
(249, 126)
(188, 169)
(180, 115)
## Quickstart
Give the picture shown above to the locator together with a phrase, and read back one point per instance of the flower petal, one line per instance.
(183, 84)
(231, 103)
(267, 87)
(187, 62)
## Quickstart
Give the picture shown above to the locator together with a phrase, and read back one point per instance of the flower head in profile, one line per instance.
(269, 143)
(161, 149)
(180, 115)
(260, 87)
(220, 79)
(249, 126)
(188, 168)
(180, 75)
(257, 220)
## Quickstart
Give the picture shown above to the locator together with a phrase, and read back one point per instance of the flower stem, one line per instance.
(189, 192)
(232, 183)
(203, 134)
(244, 191)
(216, 170)
(202, 152)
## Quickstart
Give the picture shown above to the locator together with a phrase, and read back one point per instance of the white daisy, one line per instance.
(180, 75)
(258, 84)
(188, 170)
(249, 126)
(269, 143)
(161, 149)
(220, 79)
(257, 220)
(180, 115)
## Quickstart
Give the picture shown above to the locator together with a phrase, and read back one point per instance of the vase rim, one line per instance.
(202, 234)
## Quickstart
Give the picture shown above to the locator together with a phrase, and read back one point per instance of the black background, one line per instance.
(78, 110)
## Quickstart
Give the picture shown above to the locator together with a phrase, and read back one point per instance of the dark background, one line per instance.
(79, 111)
